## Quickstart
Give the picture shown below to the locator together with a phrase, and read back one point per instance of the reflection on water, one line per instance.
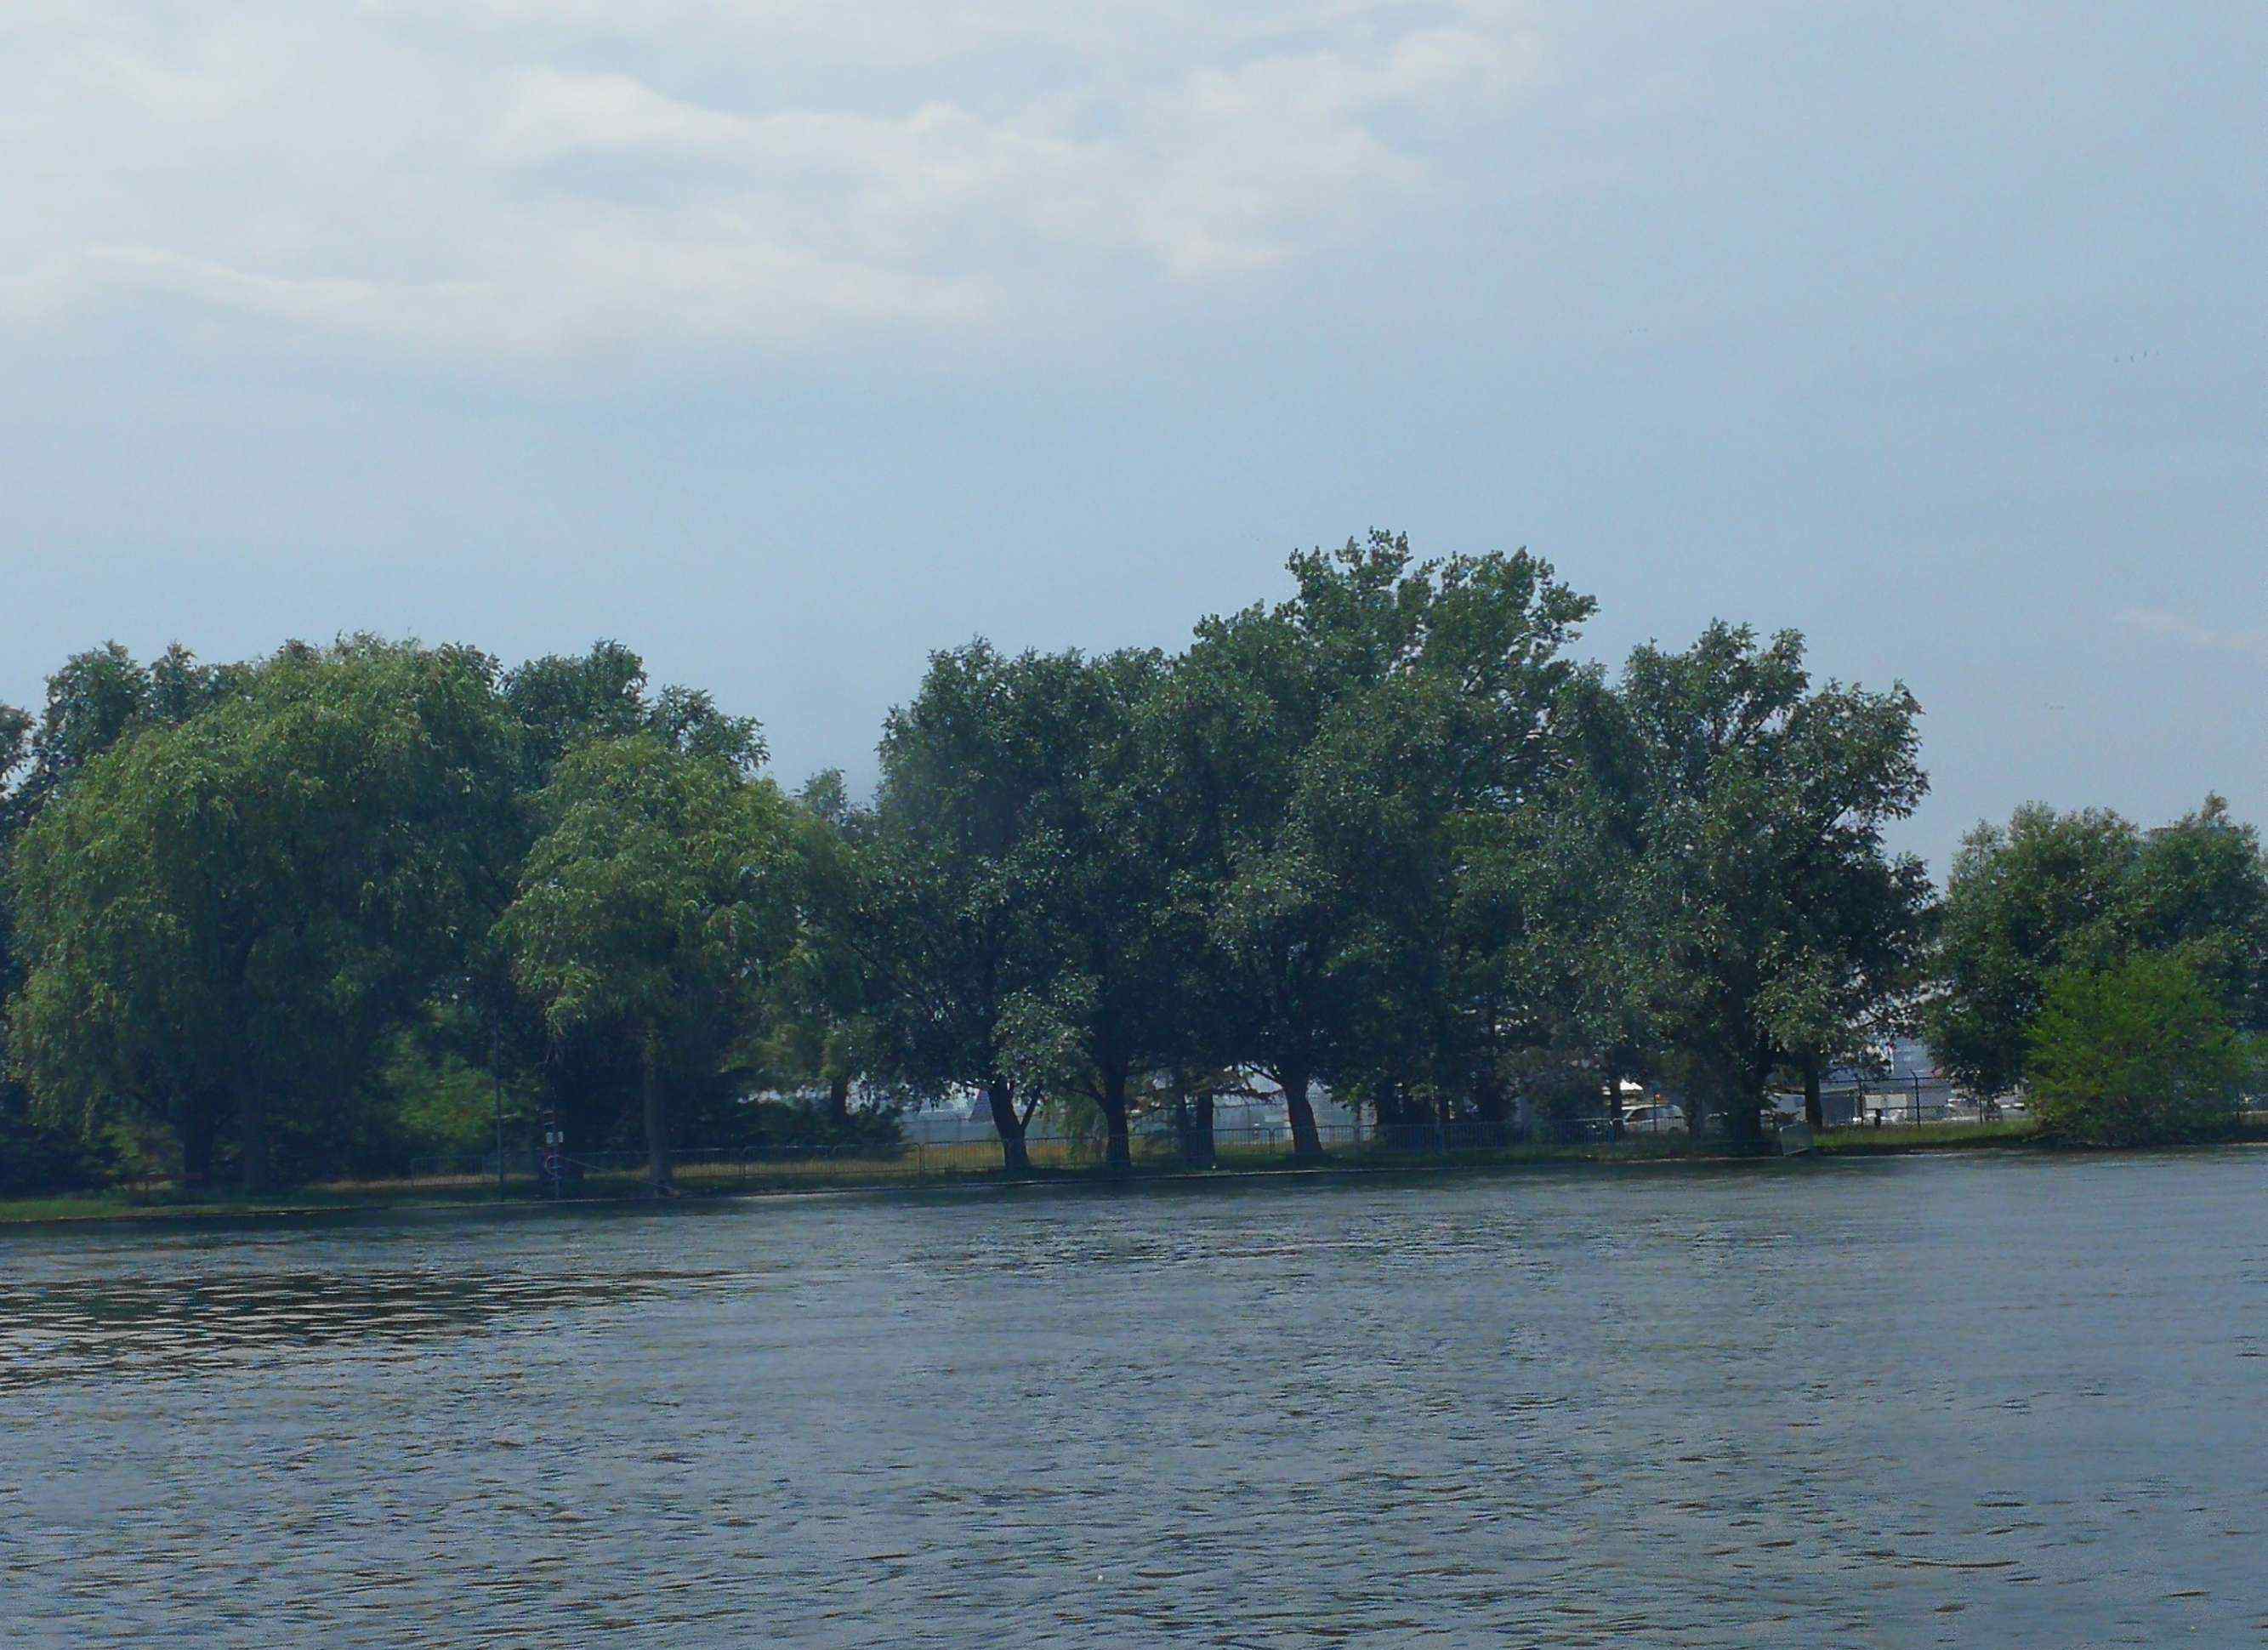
(1967, 1401)
(181, 1326)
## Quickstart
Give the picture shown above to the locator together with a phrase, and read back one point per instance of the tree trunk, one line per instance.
(1746, 1131)
(838, 1100)
(252, 1141)
(1202, 1152)
(1815, 1111)
(1390, 1111)
(1118, 1154)
(1490, 1104)
(1001, 1097)
(199, 1130)
(1306, 1142)
(1743, 1123)
(660, 1181)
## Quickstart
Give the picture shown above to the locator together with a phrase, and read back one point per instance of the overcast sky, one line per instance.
(788, 340)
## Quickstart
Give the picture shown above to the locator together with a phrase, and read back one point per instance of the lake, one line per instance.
(1982, 1399)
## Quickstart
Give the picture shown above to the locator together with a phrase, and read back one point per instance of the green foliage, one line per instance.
(958, 904)
(435, 1101)
(822, 1021)
(219, 920)
(1348, 767)
(658, 878)
(37, 1154)
(1771, 924)
(15, 740)
(2085, 889)
(313, 913)
(1046, 1048)
(562, 701)
(2134, 1052)
(653, 908)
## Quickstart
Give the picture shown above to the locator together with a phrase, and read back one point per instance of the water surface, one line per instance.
(1979, 1401)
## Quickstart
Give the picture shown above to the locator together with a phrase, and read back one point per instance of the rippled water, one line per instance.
(1986, 1401)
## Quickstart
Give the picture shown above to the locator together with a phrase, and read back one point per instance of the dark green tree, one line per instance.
(653, 909)
(1770, 914)
(1333, 756)
(1111, 884)
(561, 701)
(823, 1031)
(97, 699)
(960, 894)
(587, 1076)
(2134, 1052)
(219, 921)
(35, 1155)
(2085, 889)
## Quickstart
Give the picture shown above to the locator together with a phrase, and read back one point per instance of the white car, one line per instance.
(1650, 1118)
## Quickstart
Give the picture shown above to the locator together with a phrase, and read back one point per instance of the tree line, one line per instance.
(309, 914)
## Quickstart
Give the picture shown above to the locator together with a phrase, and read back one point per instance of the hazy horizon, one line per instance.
(787, 344)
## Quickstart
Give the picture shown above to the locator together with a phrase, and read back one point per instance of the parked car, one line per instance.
(1649, 1118)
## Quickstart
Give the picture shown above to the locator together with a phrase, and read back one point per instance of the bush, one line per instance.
(37, 1156)
(2133, 1053)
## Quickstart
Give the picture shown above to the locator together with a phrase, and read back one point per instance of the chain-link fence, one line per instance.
(1908, 1102)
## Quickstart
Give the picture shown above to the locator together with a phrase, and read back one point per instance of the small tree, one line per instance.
(2134, 1052)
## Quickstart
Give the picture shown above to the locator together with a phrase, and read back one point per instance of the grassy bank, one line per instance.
(975, 1166)
(1927, 1136)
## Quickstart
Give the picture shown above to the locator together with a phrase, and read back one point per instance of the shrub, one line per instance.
(2133, 1053)
(38, 1156)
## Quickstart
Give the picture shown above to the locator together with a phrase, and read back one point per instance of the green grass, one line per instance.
(67, 1206)
(1934, 1137)
(1926, 1136)
(973, 1164)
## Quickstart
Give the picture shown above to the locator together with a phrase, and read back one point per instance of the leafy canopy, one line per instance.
(660, 887)
(2084, 889)
(2134, 1052)
(229, 911)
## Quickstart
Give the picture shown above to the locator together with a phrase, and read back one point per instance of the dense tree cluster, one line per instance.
(316, 913)
(2085, 891)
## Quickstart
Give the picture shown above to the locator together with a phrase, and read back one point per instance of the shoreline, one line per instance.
(110, 1210)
